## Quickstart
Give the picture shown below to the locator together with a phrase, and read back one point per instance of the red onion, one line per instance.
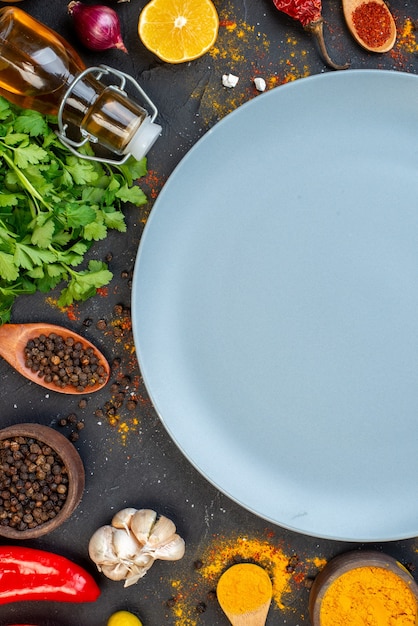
(97, 26)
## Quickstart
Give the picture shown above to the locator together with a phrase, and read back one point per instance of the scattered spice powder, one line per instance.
(372, 23)
(216, 103)
(191, 595)
(72, 311)
(319, 562)
(128, 399)
(244, 50)
(152, 185)
(225, 552)
(406, 39)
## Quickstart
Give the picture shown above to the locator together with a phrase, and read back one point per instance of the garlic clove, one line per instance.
(141, 524)
(101, 546)
(143, 560)
(122, 519)
(137, 571)
(163, 529)
(119, 571)
(131, 580)
(125, 545)
(173, 550)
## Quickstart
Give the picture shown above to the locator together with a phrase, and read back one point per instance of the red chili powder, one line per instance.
(372, 23)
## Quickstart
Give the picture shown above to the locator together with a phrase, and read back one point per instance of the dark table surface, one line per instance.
(129, 458)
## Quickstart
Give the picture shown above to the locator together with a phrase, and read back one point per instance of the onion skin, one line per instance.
(97, 26)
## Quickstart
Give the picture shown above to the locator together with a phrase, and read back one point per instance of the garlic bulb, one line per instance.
(135, 538)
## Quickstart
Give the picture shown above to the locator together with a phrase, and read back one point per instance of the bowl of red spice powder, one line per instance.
(364, 587)
(41, 480)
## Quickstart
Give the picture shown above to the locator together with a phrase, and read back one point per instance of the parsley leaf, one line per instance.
(31, 123)
(53, 207)
(131, 194)
(8, 268)
(83, 285)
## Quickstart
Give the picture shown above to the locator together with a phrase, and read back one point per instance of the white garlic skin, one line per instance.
(128, 547)
(119, 571)
(173, 550)
(162, 530)
(101, 546)
(141, 524)
(122, 519)
(125, 545)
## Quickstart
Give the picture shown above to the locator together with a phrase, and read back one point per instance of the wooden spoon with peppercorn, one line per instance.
(371, 24)
(54, 357)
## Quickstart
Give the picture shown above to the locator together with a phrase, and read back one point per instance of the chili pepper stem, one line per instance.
(317, 29)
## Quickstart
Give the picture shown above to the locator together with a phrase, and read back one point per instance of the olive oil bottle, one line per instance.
(39, 70)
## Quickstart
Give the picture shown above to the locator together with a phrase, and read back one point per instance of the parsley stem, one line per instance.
(25, 182)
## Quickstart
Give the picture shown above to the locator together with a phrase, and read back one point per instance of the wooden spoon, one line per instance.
(13, 340)
(244, 592)
(349, 6)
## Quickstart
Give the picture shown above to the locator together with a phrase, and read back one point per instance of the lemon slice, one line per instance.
(178, 30)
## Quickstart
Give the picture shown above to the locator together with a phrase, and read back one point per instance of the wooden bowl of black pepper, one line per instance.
(41, 483)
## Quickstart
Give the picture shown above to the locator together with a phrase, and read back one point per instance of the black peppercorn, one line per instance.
(201, 607)
(33, 483)
(63, 362)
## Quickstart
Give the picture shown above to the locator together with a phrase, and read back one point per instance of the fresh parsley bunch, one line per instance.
(53, 207)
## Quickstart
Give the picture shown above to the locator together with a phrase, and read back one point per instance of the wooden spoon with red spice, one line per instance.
(371, 24)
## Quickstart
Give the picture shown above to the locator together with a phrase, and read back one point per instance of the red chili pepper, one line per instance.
(309, 14)
(29, 574)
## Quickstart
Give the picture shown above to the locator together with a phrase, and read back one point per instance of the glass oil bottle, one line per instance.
(39, 70)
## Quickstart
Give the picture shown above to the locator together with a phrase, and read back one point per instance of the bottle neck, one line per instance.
(103, 113)
(97, 108)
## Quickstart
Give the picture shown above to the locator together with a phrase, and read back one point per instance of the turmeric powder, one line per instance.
(369, 596)
(243, 588)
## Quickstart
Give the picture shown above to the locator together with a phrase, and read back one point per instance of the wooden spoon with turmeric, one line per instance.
(244, 592)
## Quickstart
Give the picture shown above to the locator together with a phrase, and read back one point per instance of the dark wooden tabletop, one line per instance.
(129, 458)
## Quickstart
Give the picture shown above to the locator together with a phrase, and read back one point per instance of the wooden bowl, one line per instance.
(69, 457)
(346, 562)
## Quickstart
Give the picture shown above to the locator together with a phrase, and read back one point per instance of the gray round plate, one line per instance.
(275, 305)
